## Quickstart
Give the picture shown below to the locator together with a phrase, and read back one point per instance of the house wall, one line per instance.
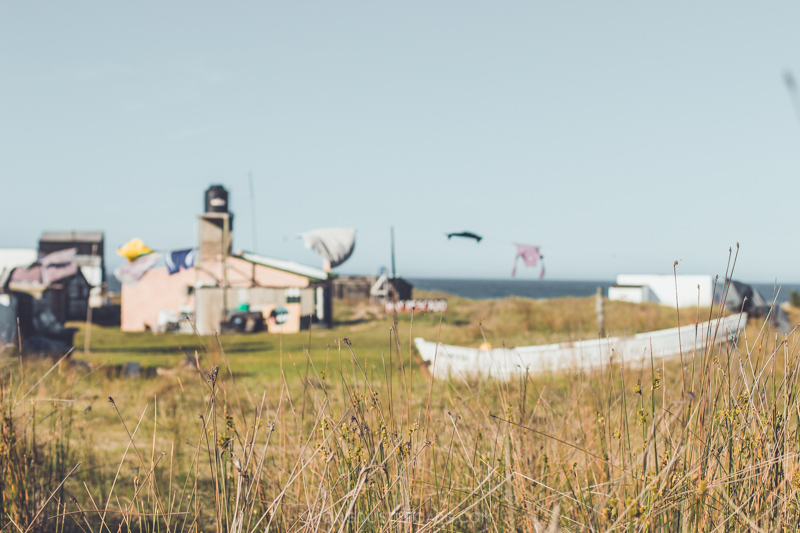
(292, 325)
(664, 288)
(156, 291)
(77, 292)
(210, 310)
(635, 295)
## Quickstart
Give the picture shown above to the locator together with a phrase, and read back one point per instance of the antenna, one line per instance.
(253, 210)
(394, 272)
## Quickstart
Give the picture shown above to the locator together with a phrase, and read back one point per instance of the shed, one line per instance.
(631, 293)
(353, 288)
(90, 257)
(692, 290)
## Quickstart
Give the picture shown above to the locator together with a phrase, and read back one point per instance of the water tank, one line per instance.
(216, 199)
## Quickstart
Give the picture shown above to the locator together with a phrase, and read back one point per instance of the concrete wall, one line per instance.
(664, 288)
(209, 310)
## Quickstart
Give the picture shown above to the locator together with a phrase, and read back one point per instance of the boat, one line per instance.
(446, 361)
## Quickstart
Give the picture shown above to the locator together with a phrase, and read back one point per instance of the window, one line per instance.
(292, 295)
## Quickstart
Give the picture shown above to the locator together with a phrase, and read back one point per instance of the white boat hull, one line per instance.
(459, 361)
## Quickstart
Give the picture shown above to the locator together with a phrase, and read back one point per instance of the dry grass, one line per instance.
(343, 440)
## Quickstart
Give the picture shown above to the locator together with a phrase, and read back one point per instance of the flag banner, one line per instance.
(529, 254)
(131, 273)
(134, 249)
(180, 259)
(419, 306)
(59, 265)
(335, 245)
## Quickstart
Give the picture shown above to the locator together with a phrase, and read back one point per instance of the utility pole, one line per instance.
(87, 338)
(394, 272)
(253, 211)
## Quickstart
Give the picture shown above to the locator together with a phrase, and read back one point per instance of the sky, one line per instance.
(618, 136)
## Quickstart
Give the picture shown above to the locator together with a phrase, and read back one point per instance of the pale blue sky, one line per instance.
(620, 136)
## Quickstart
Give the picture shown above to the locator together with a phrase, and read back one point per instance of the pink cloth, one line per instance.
(32, 274)
(131, 273)
(59, 265)
(530, 256)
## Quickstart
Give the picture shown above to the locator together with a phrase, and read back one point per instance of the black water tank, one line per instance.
(216, 199)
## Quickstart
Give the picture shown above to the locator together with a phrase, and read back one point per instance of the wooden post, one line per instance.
(19, 335)
(87, 338)
(253, 211)
(601, 315)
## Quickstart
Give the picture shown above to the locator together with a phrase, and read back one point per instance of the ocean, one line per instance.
(482, 289)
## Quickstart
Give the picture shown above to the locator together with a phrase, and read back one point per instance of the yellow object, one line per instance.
(134, 249)
(485, 347)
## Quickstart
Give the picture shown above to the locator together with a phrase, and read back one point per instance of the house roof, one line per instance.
(286, 266)
(72, 236)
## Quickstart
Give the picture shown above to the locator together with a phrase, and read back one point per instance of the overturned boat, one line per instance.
(460, 361)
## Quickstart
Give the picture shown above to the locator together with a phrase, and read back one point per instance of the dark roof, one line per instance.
(72, 236)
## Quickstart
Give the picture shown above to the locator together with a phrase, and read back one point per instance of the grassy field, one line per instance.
(340, 430)
(509, 321)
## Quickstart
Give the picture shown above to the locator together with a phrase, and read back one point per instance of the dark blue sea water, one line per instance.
(481, 289)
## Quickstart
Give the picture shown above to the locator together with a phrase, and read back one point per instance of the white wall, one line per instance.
(664, 288)
(635, 294)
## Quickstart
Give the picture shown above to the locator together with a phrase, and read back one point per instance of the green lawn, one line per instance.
(509, 321)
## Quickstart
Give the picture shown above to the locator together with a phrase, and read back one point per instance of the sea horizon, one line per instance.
(487, 289)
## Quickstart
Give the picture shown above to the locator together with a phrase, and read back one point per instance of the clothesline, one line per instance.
(494, 240)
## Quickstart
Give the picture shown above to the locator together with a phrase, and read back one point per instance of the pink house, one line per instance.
(206, 292)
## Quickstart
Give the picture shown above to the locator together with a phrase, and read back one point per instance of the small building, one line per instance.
(68, 297)
(32, 312)
(400, 289)
(360, 288)
(90, 258)
(214, 289)
(290, 296)
(636, 294)
(691, 290)
(353, 288)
